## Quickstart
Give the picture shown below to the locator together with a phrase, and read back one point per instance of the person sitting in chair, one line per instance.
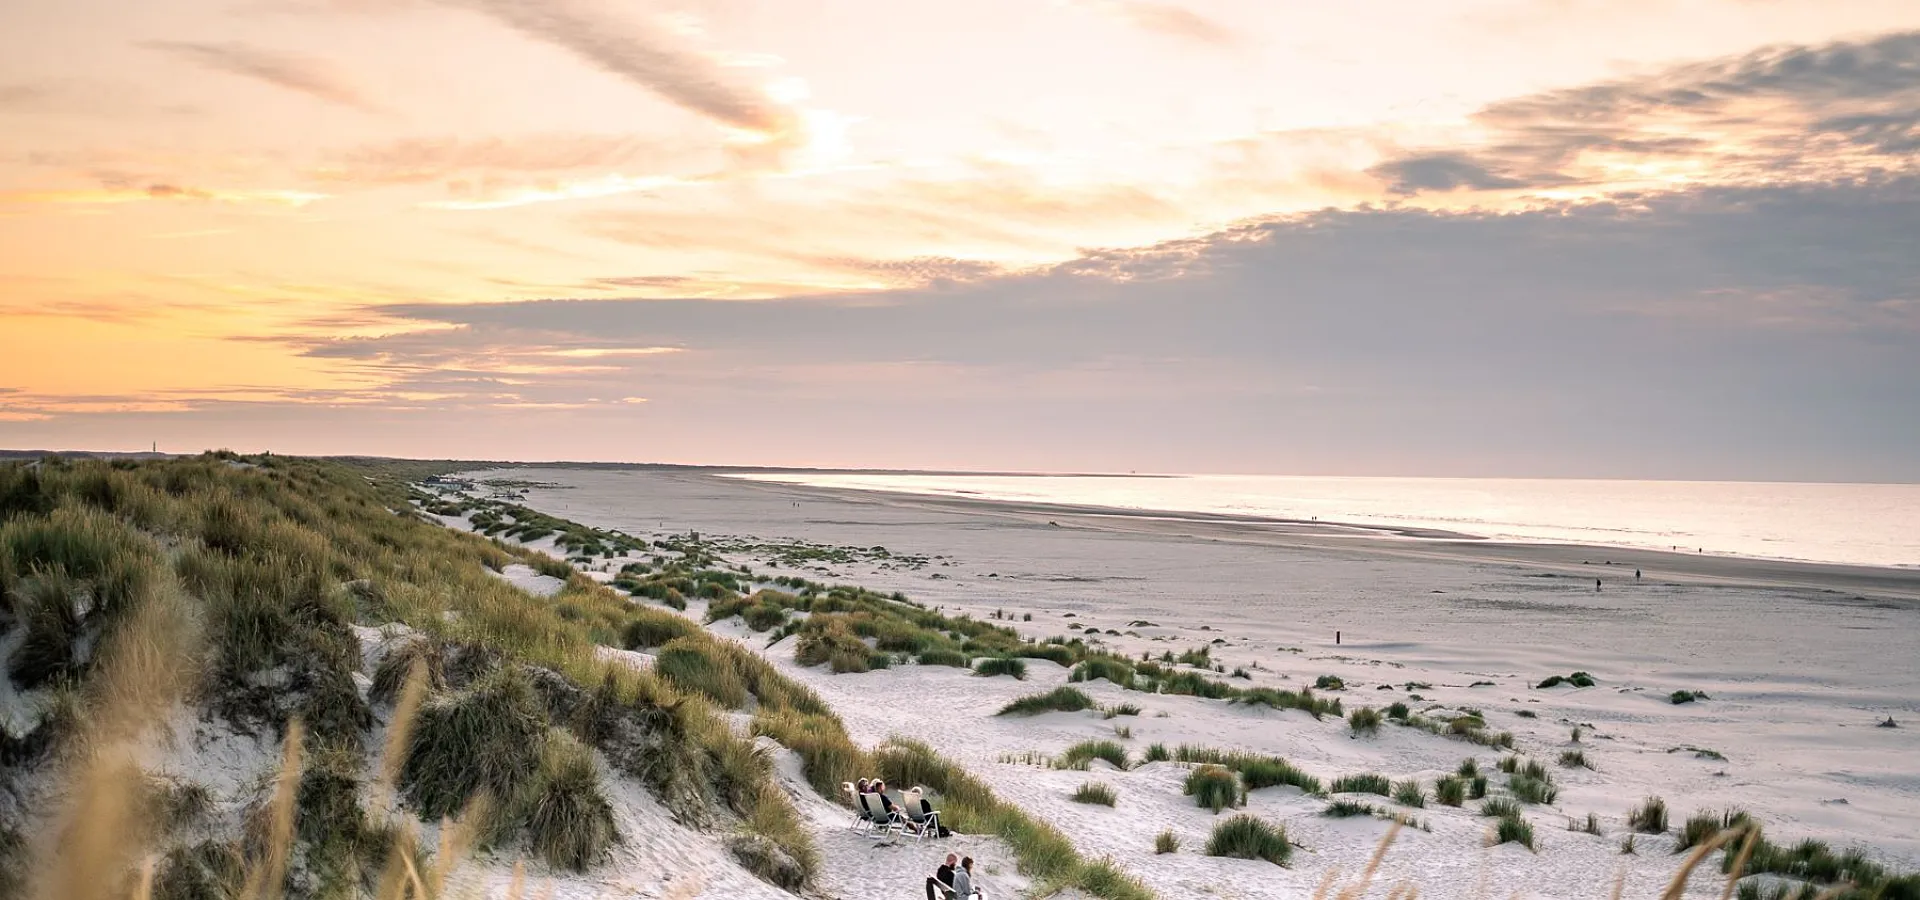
(963, 888)
(942, 880)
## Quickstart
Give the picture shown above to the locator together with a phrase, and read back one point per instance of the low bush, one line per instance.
(1533, 790)
(953, 658)
(696, 665)
(1398, 711)
(652, 628)
(1329, 683)
(1166, 842)
(1469, 768)
(1214, 787)
(1679, 697)
(1271, 771)
(1450, 790)
(1060, 699)
(569, 820)
(1650, 817)
(489, 737)
(1410, 793)
(1476, 787)
(1094, 792)
(1362, 784)
(1344, 808)
(1577, 679)
(1575, 759)
(1365, 720)
(1248, 837)
(1001, 665)
(1156, 753)
(1113, 670)
(1500, 808)
(1513, 830)
(1079, 755)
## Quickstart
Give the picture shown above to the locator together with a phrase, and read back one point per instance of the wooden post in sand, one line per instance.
(1336, 639)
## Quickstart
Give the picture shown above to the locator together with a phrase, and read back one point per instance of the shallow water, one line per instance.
(1861, 524)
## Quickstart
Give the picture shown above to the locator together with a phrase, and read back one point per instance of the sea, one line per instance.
(1859, 524)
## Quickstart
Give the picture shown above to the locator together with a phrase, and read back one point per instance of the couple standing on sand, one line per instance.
(954, 882)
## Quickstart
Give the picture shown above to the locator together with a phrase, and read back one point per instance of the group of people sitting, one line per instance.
(953, 881)
(879, 787)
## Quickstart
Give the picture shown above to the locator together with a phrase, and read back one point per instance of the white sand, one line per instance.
(1798, 678)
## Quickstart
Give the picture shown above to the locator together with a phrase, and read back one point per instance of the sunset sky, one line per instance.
(1615, 238)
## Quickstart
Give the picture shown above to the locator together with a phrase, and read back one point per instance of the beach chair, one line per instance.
(925, 824)
(878, 816)
(859, 810)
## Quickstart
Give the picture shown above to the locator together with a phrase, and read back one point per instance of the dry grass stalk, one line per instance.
(400, 734)
(1740, 861)
(267, 876)
(1326, 884)
(518, 885)
(1620, 883)
(1679, 884)
(1359, 888)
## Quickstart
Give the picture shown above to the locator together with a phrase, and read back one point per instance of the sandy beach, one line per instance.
(1800, 662)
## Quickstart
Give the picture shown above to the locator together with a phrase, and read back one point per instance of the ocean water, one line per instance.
(1863, 524)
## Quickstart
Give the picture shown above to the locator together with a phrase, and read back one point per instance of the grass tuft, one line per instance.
(1079, 755)
(1450, 790)
(1002, 665)
(1362, 784)
(1214, 787)
(1094, 792)
(1410, 793)
(1248, 837)
(1514, 830)
(1166, 842)
(1650, 817)
(1060, 699)
(1365, 720)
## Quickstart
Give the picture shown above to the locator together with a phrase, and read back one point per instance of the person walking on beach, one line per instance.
(1596, 585)
(942, 880)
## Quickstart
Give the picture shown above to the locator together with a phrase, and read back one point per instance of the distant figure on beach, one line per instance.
(942, 880)
(1596, 585)
(1636, 574)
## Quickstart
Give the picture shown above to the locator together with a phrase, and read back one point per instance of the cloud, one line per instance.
(1172, 21)
(424, 160)
(306, 76)
(1663, 334)
(1809, 112)
(649, 58)
(116, 191)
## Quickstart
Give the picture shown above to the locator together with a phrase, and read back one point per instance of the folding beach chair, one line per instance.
(859, 810)
(878, 816)
(925, 820)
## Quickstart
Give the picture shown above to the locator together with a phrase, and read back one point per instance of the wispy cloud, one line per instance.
(294, 73)
(1170, 20)
(650, 58)
(160, 191)
(426, 160)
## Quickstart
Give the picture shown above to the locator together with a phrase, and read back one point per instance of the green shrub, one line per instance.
(1329, 683)
(1050, 652)
(1002, 665)
(1469, 768)
(1650, 817)
(1679, 697)
(1513, 830)
(569, 820)
(1078, 755)
(1703, 826)
(1362, 784)
(1344, 808)
(1166, 842)
(1060, 699)
(1575, 759)
(1156, 753)
(953, 658)
(1112, 670)
(763, 616)
(1476, 787)
(1213, 787)
(1577, 679)
(1398, 711)
(1532, 790)
(1365, 720)
(1122, 709)
(1248, 837)
(1410, 793)
(696, 665)
(1500, 808)
(1094, 792)
(1450, 790)
(650, 628)
(489, 737)
(1269, 771)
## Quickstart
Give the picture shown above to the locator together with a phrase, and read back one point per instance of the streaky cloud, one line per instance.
(646, 57)
(307, 76)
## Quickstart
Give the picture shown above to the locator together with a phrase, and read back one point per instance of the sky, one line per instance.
(1561, 238)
